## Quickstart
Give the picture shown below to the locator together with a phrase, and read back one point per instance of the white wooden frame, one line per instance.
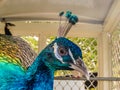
(109, 25)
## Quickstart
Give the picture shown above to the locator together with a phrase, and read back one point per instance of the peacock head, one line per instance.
(63, 54)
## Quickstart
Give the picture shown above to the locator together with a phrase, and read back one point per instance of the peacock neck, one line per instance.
(39, 76)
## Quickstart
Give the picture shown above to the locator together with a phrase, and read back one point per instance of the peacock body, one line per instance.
(17, 74)
(40, 75)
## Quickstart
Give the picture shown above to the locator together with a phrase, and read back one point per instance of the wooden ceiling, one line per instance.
(88, 11)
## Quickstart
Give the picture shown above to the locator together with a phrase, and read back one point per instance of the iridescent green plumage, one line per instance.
(15, 50)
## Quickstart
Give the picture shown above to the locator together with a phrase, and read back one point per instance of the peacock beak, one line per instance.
(81, 67)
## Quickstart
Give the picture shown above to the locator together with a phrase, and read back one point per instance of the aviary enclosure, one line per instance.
(97, 33)
(104, 73)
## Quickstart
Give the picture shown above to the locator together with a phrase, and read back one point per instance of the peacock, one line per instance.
(61, 54)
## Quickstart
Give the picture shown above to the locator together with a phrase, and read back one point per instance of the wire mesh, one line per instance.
(68, 85)
(63, 83)
(116, 58)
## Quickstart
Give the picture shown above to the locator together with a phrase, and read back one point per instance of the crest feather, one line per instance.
(70, 21)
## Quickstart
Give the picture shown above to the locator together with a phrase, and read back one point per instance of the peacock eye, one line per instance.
(62, 51)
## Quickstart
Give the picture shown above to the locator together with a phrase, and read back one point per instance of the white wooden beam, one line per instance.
(104, 62)
(47, 28)
(113, 17)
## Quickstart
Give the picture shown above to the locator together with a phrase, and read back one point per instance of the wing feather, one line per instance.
(16, 50)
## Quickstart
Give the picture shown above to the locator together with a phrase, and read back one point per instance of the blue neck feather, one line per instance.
(39, 76)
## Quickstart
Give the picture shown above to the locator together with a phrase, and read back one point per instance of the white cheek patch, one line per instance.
(71, 55)
(56, 53)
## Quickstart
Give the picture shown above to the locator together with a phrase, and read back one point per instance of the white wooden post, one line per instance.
(41, 42)
(104, 61)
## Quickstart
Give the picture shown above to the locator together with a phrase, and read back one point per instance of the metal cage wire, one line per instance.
(116, 57)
